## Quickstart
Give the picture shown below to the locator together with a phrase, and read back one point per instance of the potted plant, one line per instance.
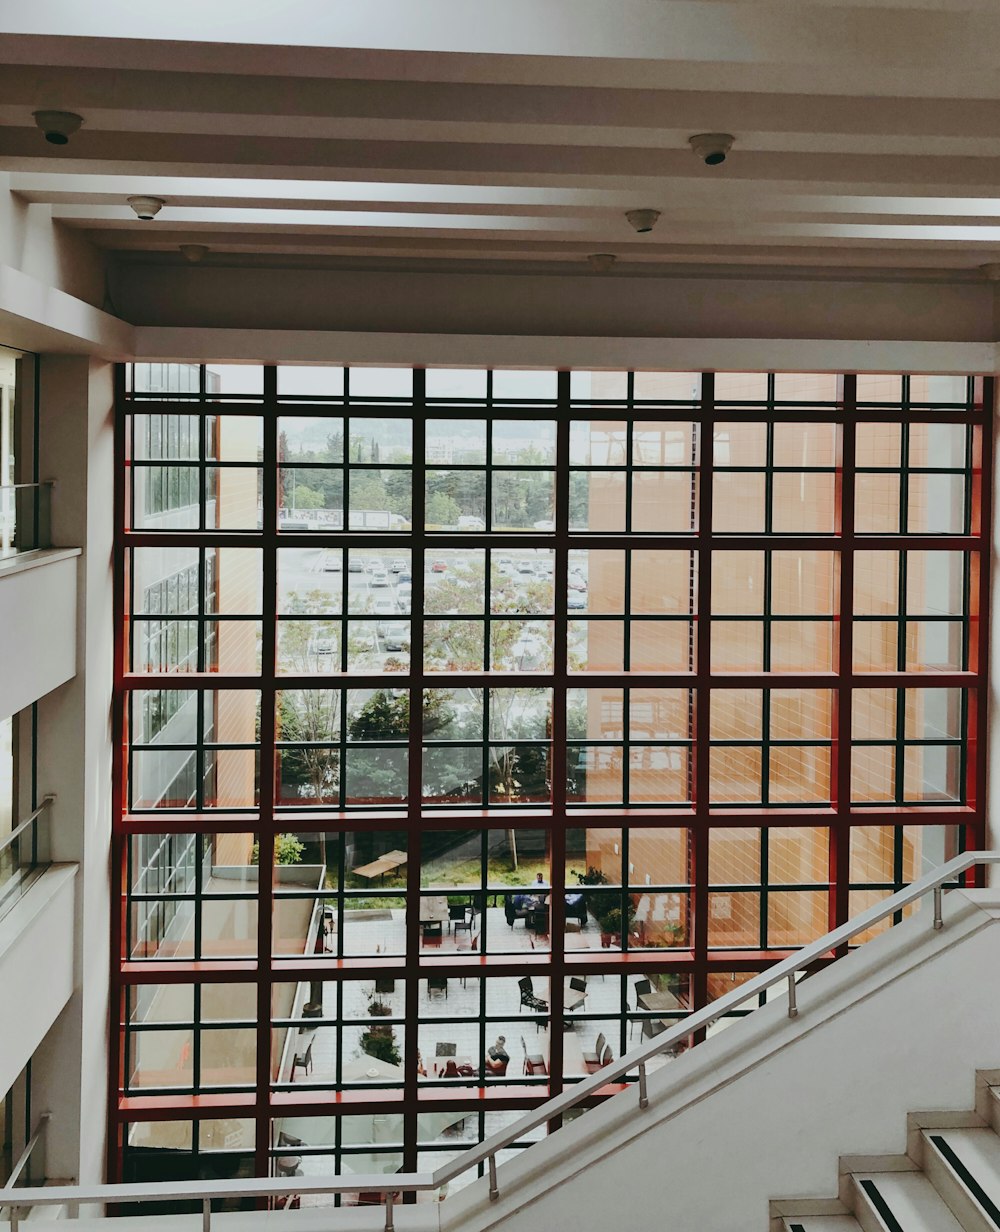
(379, 1040)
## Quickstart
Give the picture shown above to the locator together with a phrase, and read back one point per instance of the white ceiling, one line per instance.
(867, 134)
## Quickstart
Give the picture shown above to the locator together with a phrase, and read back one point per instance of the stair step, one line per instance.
(821, 1223)
(964, 1164)
(901, 1202)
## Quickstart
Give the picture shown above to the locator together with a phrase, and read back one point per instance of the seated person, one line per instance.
(497, 1057)
(540, 893)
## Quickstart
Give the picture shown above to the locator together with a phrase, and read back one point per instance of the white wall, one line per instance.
(38, 619)
(30, 241)
(35, 936)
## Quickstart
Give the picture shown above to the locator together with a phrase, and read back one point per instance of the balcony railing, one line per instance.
(28, 1170)
(23, 854)
(392, 1186)
(25, 517)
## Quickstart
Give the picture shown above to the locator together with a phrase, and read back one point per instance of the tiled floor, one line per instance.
(374, 932)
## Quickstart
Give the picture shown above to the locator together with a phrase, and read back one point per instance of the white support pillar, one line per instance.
(992, 734)
(69, 1074)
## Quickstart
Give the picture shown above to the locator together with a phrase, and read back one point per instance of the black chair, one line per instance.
(528, 997)
(462, 917)
(304, 1060)
(642, 987)
(438, 984)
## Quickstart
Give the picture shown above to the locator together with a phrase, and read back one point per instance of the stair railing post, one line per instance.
(643, 1093)
(494, 1188)
(793, 1009)
(389, 1222)
(206, 1215)
(938, 906)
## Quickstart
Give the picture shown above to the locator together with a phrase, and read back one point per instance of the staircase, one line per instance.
(948, 1180)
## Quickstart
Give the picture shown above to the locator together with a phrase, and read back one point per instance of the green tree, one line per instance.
(368, 490)
(442, 510)
(307, 498)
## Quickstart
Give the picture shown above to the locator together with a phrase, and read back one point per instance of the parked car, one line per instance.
(332, 563)
(439, 566)
(395, 640)
(322, 647)
(379, 577)
(355, 565)
(576, 603)
(398, 565)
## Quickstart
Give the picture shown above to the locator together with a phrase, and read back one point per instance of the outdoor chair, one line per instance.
(603, 1057)
(593, 1059)
(534, 1063)
(437, 984)
(304, 1060)
(642, 987)
(528, 997)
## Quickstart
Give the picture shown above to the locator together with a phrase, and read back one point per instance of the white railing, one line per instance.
(392, 1186)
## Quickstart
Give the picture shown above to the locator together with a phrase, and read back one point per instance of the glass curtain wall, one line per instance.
(477, 725)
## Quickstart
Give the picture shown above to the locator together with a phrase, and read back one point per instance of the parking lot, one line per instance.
(377, 584)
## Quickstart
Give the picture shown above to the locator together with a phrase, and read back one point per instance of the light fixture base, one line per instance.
(146, 208)
(58, 126)
(712, 148)
(642, 220)
(601, 261)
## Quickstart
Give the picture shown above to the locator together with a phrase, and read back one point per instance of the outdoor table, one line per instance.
(384, 864)
(658, 1001)
(372, 1070)
(573, 998)
(433, 913)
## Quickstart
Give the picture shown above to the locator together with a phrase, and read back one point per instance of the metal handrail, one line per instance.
(25, 1156)
(391, 1186)
(18, 487)
(32, 817)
